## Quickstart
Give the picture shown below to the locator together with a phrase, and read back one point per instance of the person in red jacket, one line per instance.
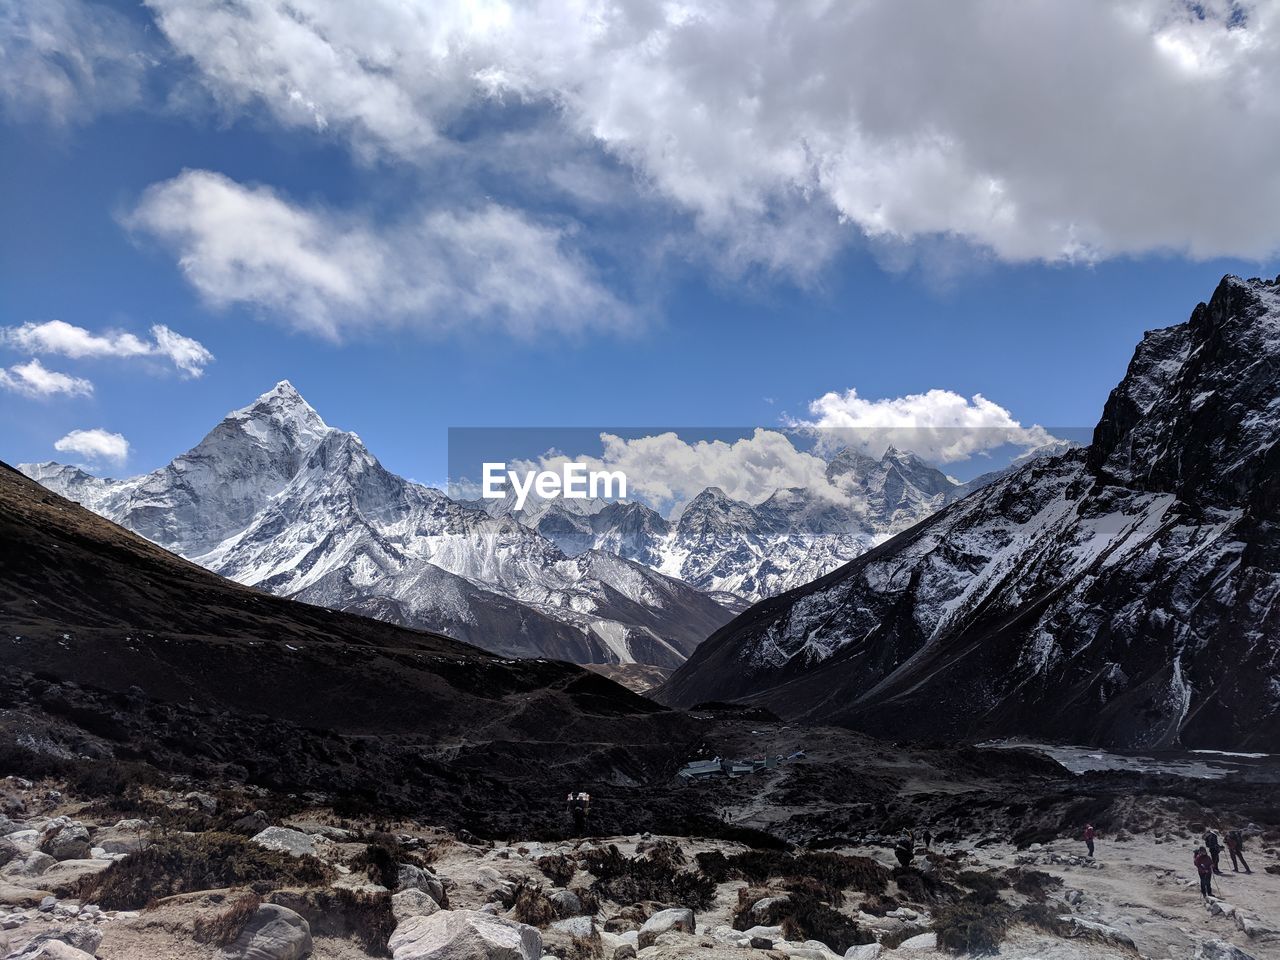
(1088, 837)
(1204, 867)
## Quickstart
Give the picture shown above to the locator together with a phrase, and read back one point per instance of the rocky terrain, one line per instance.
(1124, 594)
(142, 864)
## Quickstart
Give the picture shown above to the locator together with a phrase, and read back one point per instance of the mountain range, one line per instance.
(1124, 594)
(276, 498)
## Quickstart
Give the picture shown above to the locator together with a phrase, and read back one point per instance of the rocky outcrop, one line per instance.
(1122, 595)
(273, 933)
(664, 921)
(464, 935)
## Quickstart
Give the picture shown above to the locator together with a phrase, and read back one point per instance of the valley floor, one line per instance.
(187, 870)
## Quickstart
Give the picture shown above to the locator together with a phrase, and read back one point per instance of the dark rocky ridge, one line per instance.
(1123, 596)
(113, 647)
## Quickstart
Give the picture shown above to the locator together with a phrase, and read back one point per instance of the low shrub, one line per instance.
(380, 860)
(558, 868)
(810, 919)
(835, 872)
(633, 879)
(182, 863)
(585, 948)
(972, 926)
(346, 913)
(1035, 885)
(530, 904)
(985, 884)
(921, 887)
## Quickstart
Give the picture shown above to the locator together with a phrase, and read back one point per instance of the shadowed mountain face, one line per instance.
(170, 663)
(1122, 595)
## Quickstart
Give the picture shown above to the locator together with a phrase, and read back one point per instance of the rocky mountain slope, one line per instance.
(274, 497)
(146, 656)
(1120, 595)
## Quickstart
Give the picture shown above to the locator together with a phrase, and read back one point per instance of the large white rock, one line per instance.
(410, 875)
(413, 903)
(574, 926)
(464, 935)
(864, 951)
(65, 839)
(925, 941)
(677, 918)
(274, 933)
(293, 842)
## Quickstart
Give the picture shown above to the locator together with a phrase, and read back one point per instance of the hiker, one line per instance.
(1215, 849)
(1204, 867)
(905, 849)
(579, 805)
(927, 837)
(1235, 847)
(1089, 834)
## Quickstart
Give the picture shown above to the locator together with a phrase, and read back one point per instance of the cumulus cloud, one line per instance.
(33, 379)
(666, 470)
(1034, 131)
(332, 274)
(59, 337)
(65, 60)
(939, 425)
(95, 445)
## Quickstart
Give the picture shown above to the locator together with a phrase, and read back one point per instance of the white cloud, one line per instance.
(333, 274)
(939, 425)
(666, 470)
(65, 60)
(1034, 130)
(33, 379)
(96, 444)
(60, 337)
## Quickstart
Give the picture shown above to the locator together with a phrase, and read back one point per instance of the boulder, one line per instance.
(293, 842)
(25, 840)
(413, 903)
(83, 936)
(252, 823)
(1254, 928)
(413, 877)
(32, 865)
(202, 802)
(864, 951)
(677, 918)
(613, 947)
(574, 926)
(66, 840)
(54, 950)
(567, 903)
(8, 851)
(760, 909)
(925, 941)
(1221, 950)
(464, 935)
(273, 933)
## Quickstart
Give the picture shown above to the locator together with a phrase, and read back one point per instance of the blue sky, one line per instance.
(667, 300)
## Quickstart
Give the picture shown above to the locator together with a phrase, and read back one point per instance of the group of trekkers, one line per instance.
(1206, 857)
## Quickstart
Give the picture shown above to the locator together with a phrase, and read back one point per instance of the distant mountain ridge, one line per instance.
(275, 497)
(1123, 595)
